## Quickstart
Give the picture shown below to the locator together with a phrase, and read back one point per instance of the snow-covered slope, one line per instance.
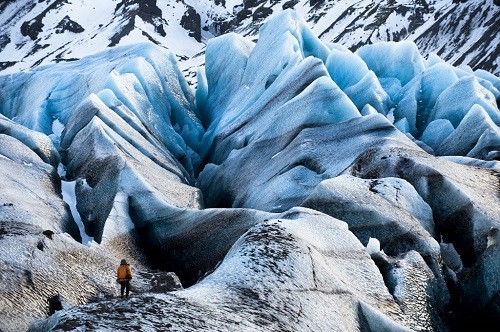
(261, 189)
(461, 32)
(40, 32)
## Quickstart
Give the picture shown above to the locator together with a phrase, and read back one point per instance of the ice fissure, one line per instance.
(266, 184)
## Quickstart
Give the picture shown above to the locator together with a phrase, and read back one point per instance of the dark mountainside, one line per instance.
(33, 33)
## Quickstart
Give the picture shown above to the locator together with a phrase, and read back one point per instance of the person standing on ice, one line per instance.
(123, 276)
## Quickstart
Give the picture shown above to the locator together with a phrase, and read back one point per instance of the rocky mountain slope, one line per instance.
(34, 33)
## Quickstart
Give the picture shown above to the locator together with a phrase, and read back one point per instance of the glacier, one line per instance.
(261, 189)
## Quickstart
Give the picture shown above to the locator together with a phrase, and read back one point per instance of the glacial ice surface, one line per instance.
(193, 174)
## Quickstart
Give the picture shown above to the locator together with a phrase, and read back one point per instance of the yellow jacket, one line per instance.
(123, 273)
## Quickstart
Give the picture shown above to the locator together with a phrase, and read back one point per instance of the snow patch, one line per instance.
(373, 246)
(69, 196)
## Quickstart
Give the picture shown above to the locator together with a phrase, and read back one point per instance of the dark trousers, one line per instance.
(125, 285)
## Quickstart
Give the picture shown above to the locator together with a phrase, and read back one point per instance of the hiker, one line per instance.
(123, 276)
